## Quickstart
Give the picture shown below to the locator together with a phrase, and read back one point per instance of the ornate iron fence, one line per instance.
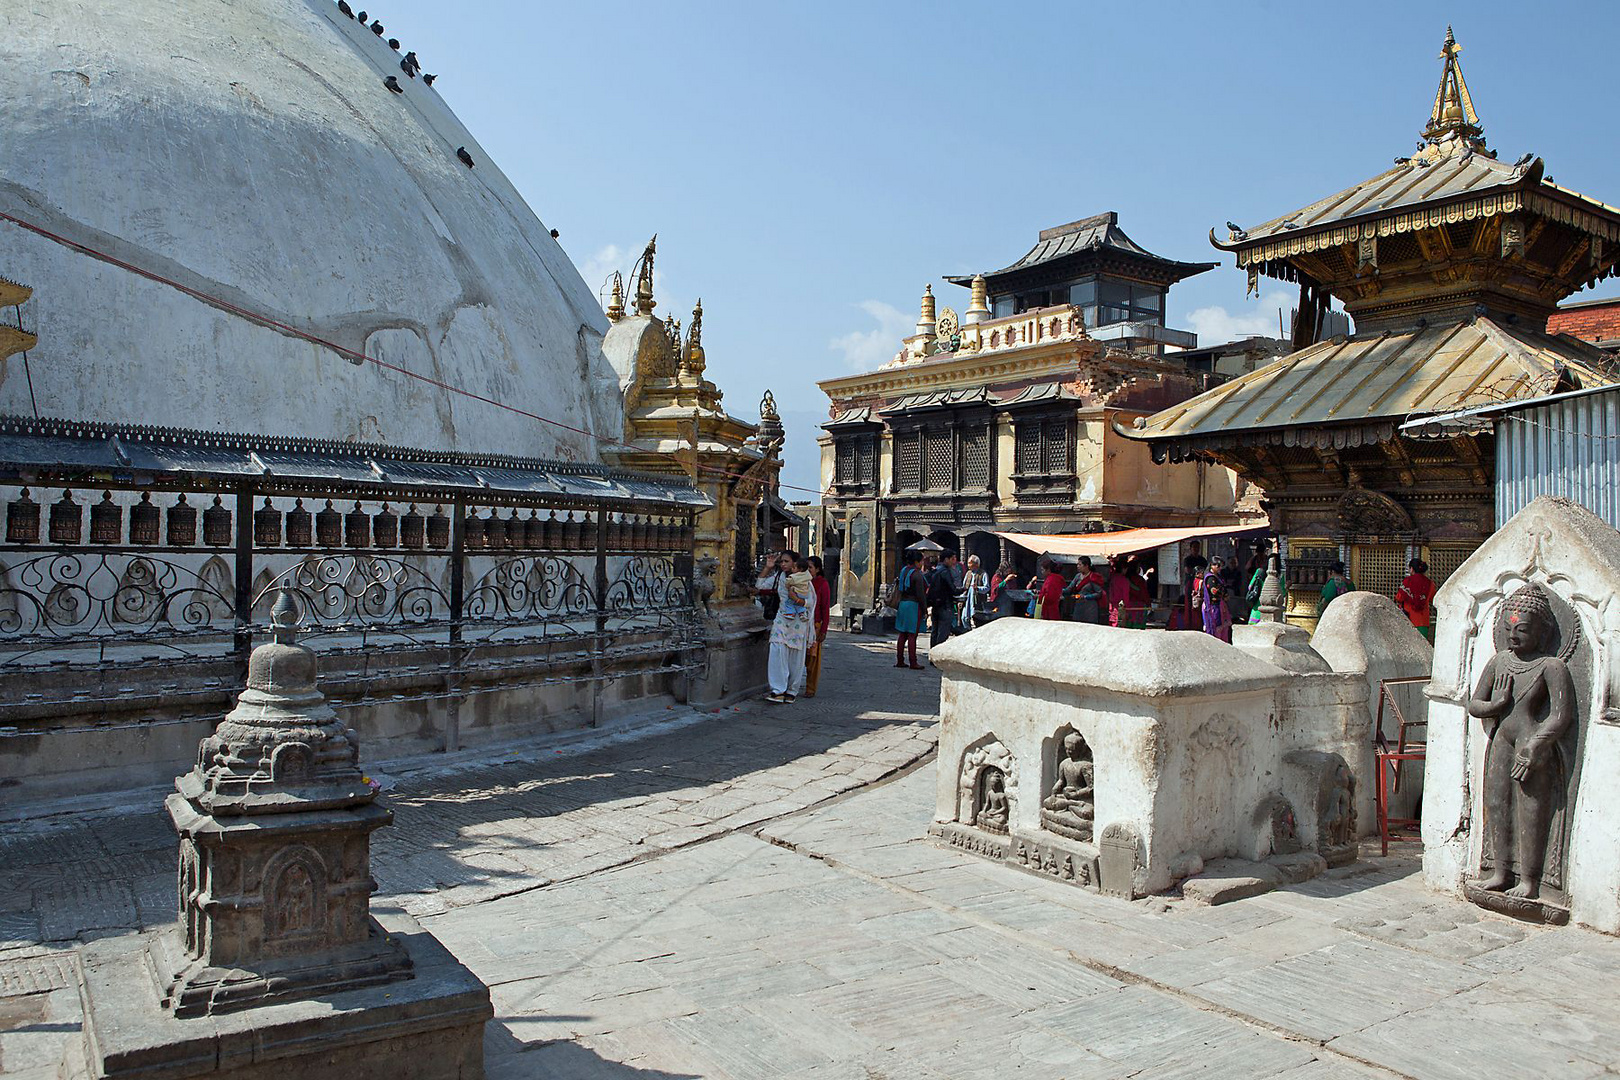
(183, 573)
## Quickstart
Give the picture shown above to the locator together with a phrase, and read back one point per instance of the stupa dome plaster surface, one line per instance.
(250, 151)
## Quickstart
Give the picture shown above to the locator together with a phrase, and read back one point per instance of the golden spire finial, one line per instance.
(672, 331)
(1452, 121)
(694, 361)
(979, 305)
(644, 281)
(615, 310)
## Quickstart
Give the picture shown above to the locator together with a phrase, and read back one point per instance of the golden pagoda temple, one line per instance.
(1450, 262)
(674, 422)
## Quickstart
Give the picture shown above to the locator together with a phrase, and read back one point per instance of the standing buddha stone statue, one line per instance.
(1527, 699)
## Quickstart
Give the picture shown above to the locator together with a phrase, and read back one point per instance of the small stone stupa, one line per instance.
(278, 966)
(275, 828)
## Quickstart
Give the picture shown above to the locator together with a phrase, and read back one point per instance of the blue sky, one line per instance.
(809, 167)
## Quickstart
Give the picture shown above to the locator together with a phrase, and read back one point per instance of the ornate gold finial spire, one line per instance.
(644, 281)
(615, 310)
(1453, 123)
(927, 319)
(771, 433)
(672, 330)
(979, 305)
(694, 361)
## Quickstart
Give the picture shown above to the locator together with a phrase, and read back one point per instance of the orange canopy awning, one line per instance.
(1124, 542)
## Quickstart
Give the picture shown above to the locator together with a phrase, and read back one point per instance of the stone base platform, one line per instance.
(738, 645)
(1536, 911)
(1049, 855)
(425, 1028)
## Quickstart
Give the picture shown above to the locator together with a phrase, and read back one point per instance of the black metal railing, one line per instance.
(99, 577)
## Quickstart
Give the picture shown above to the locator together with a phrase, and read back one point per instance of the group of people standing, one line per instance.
(946, 597)
(796, 599)
(1415, 597)
(938, 593)
(1120, 599)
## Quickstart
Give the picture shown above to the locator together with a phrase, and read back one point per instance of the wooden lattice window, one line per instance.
(866, 467)
(845, 459)
(1443, 561)
(1398, 249)
(1055, 446)
(1378, 568)
(1029, 448)
(941, 461)
(908, 461)
(976, 457)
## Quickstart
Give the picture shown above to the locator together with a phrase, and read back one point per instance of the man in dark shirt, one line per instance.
(942, 600)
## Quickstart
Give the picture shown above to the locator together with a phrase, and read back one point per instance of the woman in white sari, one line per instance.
(975, 592)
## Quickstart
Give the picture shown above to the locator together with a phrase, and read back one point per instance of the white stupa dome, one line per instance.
(249, 150)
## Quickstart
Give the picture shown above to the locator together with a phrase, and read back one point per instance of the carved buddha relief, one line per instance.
(1070, 806)
(990, 803)
(987, 786)
(294, 898)
(1527, 700)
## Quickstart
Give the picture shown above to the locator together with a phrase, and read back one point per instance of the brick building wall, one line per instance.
(1590, 320)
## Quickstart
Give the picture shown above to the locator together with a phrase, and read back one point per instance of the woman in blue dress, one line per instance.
(912, 593)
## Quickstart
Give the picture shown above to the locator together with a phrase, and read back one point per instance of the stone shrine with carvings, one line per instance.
(277, 956)
(1131, 761)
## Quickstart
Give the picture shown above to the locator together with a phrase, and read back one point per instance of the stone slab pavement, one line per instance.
(836, 942)
(841, 943)
(481, 826)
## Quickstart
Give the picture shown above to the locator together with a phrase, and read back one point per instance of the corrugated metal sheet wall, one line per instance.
(1569, 448)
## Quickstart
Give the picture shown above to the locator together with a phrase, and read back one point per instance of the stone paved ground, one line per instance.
(835, 943)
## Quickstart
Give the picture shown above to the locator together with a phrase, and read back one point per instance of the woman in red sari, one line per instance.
(1416, 597)
(1127, 593)
(1051, 594)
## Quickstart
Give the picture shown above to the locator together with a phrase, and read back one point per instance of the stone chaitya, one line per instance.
(1153, 758)
(278, 966)
(275, 827)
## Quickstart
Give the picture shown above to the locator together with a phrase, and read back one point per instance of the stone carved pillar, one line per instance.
(275, 826)
(1271, 593)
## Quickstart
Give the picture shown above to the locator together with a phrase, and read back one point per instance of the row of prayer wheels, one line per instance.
(332, 528)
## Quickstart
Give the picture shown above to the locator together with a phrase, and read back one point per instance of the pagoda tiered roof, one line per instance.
(1066, 249)
(1373, 383)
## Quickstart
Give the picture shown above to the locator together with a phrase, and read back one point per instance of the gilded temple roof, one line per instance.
(1376, 377)
(1409, 184)
(1452, 177)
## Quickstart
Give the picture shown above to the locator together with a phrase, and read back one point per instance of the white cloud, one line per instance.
(866, 349)
(597, 270)
(1216, 325)
(599, 267)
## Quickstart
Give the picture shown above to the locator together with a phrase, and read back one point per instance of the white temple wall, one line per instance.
(1367, 634)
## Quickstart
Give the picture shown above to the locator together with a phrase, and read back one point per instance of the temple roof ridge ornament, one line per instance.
(615, 310)
(1453, 125)
(693, 360)
(644, 279)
